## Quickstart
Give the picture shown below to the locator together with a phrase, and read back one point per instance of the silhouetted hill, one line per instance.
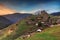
(16, 16)
(56, 14)
(4, 22)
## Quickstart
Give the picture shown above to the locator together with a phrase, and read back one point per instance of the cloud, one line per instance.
(23, 11)
(5, 10)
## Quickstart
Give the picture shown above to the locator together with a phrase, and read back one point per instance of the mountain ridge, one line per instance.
(6, 20)
(56, 14)
(16, 16)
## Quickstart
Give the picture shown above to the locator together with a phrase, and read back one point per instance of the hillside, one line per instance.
(4, 22)
(22, 28)
(16, 16)
(26, 29)
(48, 34)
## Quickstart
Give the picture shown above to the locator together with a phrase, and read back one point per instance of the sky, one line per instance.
(31, 6)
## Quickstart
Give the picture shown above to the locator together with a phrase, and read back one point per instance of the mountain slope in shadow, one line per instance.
(16, 16)
(4, 22)
(7, 20)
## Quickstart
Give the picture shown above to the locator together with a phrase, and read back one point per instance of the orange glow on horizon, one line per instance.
(4, 10)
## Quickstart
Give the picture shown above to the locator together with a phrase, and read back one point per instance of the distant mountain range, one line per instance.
(16, 16)
(6, 20)
(56, 14)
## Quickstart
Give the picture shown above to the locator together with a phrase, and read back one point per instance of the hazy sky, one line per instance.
(33, 5)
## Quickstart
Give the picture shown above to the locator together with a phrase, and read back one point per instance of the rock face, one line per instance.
(44, 19)
(58, 21)
(44, 15)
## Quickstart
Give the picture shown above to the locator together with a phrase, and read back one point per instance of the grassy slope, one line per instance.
(5, 31)
(21, 29)
(48, 34)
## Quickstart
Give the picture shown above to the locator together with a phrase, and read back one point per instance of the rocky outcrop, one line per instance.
(44, 20)
(44, 15)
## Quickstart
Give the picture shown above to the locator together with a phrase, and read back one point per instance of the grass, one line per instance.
(48, 34)
(21, 29)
